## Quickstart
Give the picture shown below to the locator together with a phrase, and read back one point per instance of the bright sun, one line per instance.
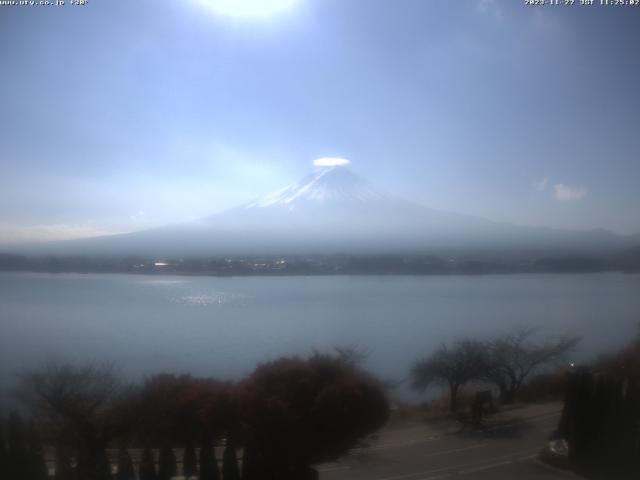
(248, 8)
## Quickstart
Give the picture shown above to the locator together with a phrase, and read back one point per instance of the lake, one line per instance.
(224, 326)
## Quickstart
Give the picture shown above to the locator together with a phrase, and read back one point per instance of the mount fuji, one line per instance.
(332, 211)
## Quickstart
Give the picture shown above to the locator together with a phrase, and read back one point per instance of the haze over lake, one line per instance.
(224, 326)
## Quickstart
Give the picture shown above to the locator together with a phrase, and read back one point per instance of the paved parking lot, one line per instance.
(507, 449)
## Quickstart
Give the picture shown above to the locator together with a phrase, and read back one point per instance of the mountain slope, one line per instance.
(328, 185)
(334, 210)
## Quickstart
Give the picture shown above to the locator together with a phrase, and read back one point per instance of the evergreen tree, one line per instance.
(93, 463)
(208, 462)
(230, 463)
(37, 466)
(251, 467)
(189, 461)
(167, 465)
(125, 466)
(3, 447)
(18, 462)
(103, 466)
(147, 469)
(63, 464)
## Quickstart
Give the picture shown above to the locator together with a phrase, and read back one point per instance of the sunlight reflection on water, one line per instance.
(213, 298)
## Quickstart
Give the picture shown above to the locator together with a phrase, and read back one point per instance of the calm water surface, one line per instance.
(224, 326)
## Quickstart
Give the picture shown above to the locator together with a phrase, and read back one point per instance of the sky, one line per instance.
(118, 116)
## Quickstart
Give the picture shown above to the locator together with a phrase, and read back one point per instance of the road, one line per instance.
(507, 449)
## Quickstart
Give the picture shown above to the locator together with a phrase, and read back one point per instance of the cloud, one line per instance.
(12, 234)
(541, 185)
(567, 193)
(330, 161)
(560, 191)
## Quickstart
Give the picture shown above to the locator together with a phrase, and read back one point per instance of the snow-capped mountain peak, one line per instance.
(328, 185)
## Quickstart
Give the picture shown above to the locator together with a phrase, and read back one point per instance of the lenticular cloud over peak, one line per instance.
(330, 162)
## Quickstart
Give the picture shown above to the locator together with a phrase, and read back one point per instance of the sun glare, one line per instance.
(248, 8)
(330, 161)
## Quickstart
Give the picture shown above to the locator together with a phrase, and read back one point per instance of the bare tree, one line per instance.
(513, 357)
(80, 406)
(453, 366)
(352, 355)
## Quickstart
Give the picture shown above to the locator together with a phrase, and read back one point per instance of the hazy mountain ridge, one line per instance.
(333, 210)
